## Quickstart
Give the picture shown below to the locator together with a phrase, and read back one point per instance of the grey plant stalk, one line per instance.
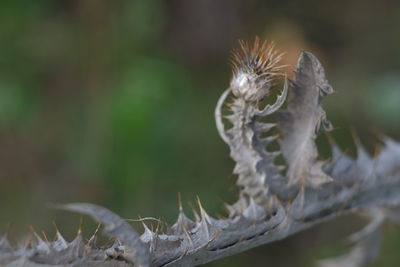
(274, 202)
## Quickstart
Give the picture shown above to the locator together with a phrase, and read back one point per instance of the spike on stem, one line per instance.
(91, 243)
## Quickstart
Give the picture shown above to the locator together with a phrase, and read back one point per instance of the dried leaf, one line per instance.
(303, 120)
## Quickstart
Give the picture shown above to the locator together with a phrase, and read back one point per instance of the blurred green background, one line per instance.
(111, 102)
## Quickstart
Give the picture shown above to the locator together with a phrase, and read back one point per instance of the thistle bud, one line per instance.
(255, 67)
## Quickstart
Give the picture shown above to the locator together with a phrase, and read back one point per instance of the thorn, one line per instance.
(184, 254)
(203, 213)
(80, 225)
(5, 243)
(181, 215)
(78, 235)
(301, 197)
(269, 139)
(55, 226)
(91, 243)
(182, 223)
(59, 243)
(28, 243)
(264, 127)
(253, 211)
(151, 237)
(220, 216)
(230, 117)
(58, 234)
(274, 153)
(195, 214)
(231, 211)
(180, 202)
(187, 234)
(158, 226)
(41, 244)
(147, 230)
(31, 229)
(205, 221)
(215, 236)
(45, 237)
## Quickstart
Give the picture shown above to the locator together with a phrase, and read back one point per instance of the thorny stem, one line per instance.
(267, 209)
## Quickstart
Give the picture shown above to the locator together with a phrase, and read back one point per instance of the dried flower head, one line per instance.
(255, 67)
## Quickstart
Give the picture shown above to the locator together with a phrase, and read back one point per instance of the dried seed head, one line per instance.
(255, 68)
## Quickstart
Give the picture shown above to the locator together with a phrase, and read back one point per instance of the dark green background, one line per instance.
(111, 102)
